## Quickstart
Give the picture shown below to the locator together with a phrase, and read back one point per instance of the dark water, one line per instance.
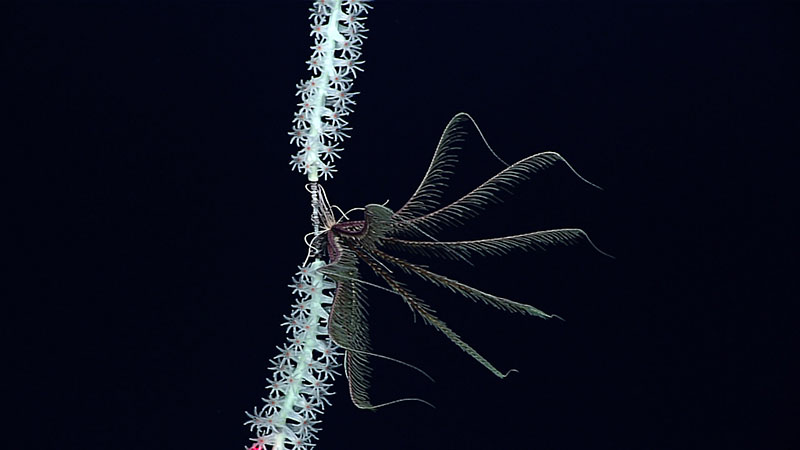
(156, 225)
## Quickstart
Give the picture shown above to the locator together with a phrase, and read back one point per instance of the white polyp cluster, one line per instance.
(320, 126)
(303, 370)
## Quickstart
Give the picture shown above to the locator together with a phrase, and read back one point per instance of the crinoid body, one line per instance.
(374, 240)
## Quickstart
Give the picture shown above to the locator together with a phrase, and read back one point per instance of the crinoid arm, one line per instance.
(471, 204)
(535, 240)
(428, 315)
(348, 325)
(422, 213)
(460, 288)
(427, 195)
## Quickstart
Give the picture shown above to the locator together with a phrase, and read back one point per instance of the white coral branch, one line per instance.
(338, 31)
(299, 385)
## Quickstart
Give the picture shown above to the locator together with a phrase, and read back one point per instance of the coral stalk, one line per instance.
(305, 367)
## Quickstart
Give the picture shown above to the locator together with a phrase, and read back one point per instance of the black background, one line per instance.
(156, 224)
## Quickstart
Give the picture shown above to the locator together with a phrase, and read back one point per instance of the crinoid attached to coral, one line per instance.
(374, 240)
